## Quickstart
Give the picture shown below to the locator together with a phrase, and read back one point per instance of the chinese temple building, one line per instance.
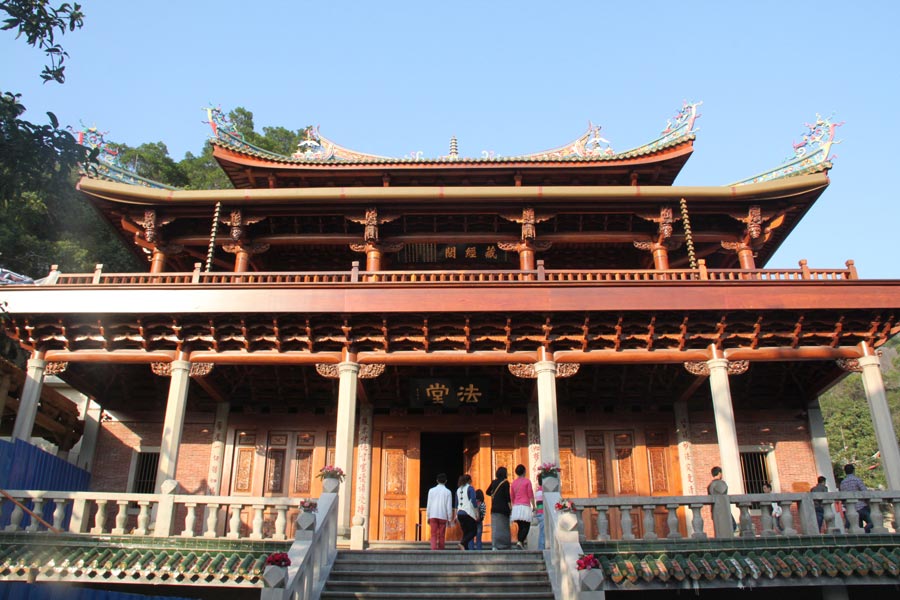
(401, 317)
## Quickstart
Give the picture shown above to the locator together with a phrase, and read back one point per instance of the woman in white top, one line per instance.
(465, 510)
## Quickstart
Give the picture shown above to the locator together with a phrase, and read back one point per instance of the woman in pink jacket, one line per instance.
(522, 498)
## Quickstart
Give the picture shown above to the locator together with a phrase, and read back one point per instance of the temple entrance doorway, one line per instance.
(442, 452)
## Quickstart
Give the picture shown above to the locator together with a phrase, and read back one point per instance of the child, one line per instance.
(480, 510)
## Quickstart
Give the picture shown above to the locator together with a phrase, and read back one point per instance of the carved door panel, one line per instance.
(625, 481)
(472, 444)
(399, 485)
(660, 477)
(599, 476)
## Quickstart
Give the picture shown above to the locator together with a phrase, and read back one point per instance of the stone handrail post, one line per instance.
(312, 556)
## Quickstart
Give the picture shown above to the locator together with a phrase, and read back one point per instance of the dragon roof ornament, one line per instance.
(590, 145)
(810, 154)
(104, 161)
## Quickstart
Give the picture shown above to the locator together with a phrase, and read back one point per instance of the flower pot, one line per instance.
(567, 522)
(306, 522)
(550, 484)
(274, 576)
(330, 485)
(591, 580)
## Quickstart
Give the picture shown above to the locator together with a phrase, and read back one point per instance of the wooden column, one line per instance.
(526, 256)
(660, 257)
(173, 425)
(157, 261)
(745, 257)
(726, 430)
(31, 396)
(348, 372)
(374, 255)
(241, 260)
(547, 415)
(873, 384)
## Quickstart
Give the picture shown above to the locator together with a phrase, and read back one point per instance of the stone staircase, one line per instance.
(427, 574)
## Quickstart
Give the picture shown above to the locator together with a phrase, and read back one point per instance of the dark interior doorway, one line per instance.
(441, 453)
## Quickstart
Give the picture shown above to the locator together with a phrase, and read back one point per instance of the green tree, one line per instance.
(848, 422)
(152, 161)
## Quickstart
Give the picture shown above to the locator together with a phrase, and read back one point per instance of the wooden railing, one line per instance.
(540, 274)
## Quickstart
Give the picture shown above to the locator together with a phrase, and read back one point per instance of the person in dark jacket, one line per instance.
(500, 510)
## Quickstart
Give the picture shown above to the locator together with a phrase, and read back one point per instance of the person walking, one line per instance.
(481, 511)
(817, 504)
(438, 511)
(852, 483)
(717, 486)
(522, 498)
(465, 510)
(500, 510)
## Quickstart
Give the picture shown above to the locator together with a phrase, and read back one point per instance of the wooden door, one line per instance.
(399, 497)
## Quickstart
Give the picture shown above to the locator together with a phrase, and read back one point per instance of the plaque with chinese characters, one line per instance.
(449, 393)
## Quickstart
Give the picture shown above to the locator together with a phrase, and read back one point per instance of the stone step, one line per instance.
(432, 575)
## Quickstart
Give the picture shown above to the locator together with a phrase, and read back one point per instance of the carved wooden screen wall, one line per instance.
(567, 464)
(245, 456)
(302, 469)
(503, 452)
(276, 454)
(399, 485)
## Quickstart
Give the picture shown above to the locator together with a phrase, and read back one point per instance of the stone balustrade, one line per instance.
(157, 515)
(655, 517)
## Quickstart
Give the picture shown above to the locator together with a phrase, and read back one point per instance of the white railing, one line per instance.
(655, 517)
(312, 554)
(157, 515)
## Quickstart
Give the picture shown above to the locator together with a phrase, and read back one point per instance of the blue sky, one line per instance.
(392, 78)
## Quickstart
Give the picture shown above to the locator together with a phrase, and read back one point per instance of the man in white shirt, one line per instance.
(439, 511)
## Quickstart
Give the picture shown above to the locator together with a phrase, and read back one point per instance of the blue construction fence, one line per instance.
(27, 467)
(15, 590)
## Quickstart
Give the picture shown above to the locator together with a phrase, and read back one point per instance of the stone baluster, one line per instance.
(99, 518)
(15, 519)
(280, 523)
(830, 517)
(745, 522)
(852, 516)
(602, 524)
(59, 513)
(257, 532)
(37, 509)
(787, 517)
(625, 520)
(143, 520)
(212, 520)
(234, 525)
(896, 503)
(767, 522)
(579, 519)
(649, 523)
(121, 517)
(876, 514)
(190, 519)
(697, 521)
(672, 521)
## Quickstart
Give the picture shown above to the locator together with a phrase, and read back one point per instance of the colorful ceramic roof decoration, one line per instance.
(85, 559)
(104, 162)
(589, 146)
(749, 565)
(811, 153)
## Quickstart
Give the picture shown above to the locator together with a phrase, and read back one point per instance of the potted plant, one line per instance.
(306, 520)
(275, 575)
(331, 477)
(589, 573)
(549, 473)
